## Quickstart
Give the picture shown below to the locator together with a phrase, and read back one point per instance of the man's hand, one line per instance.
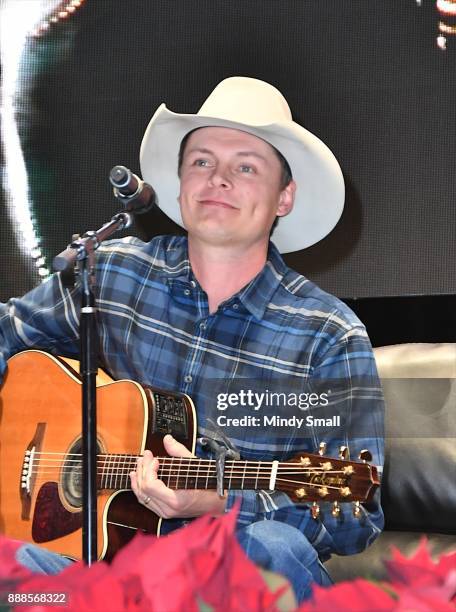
(167, 503)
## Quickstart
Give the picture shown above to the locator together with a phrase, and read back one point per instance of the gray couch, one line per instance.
(419, 479)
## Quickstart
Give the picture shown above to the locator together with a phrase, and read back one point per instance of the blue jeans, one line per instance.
(41, 561)
(272, 545)
(276, 546)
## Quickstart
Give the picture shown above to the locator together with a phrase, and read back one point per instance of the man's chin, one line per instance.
(215, 237)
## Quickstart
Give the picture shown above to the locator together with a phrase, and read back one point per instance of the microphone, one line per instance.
(137, 196)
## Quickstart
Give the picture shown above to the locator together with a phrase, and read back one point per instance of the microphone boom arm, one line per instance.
(81, 247)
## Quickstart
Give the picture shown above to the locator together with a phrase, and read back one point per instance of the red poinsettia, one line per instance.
(203, 564)
(200, 563)
(416, 584)
(422, 584)
(355, 596)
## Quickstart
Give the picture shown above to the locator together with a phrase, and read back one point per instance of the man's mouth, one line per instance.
(219, 203)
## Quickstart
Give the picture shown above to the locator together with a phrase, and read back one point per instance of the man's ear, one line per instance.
(286, 199)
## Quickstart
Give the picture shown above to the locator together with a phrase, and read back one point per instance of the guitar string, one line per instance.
(195, 470)
(200, 460)
(123, 456)
(188, 474)
(197, 475)
(195, 465)
(184, 463)
(278, 480)
(177, 479)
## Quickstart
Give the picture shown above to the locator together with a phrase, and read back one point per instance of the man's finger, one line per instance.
(175, 448)
(134, 483)
(139, 471)
(150, 471)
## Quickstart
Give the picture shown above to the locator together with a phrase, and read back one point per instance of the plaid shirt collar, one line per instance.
(255, 296)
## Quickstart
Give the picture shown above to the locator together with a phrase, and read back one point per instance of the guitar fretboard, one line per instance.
(187, 473)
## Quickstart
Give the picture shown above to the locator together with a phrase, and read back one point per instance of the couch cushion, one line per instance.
(418, 487)
(416, 360)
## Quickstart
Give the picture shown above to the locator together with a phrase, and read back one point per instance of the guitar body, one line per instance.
(46, 509)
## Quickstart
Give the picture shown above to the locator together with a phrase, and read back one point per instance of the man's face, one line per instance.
(230, 190)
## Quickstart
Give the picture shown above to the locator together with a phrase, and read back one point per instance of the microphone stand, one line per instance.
(82, 252)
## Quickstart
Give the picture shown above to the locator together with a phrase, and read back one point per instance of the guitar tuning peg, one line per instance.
(365, 455)
(322, 448)
(315, 510)
(343, 452)
(357, 509)
(335, 509)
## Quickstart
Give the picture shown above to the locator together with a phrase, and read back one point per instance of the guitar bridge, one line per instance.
(29, 470)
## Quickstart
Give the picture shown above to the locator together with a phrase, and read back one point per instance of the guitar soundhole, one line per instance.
(71, 481)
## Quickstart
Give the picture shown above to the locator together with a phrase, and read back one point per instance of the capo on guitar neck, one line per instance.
(222, 449)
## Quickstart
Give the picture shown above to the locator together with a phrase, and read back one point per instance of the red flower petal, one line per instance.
(356, 596)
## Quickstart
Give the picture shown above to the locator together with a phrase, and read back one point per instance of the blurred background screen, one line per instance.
(374, 80)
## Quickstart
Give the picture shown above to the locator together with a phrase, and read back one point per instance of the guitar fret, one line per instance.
(103, 474)
(116, 470)
(178, 473)
(197, 474)
(257, 474)
(123, 473)
(207, 475)
(113, 472)
(99, 473)
(131, 468)
(110, 472)
(231, 475)
(188, 473)
(170, 470)
(126, 475)
(120, 462)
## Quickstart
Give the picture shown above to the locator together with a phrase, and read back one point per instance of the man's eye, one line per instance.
(245, 168)
(202, 163)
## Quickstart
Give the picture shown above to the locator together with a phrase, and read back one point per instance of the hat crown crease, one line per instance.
(248, 101)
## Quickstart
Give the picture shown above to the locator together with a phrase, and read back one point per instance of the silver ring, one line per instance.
(146, 500)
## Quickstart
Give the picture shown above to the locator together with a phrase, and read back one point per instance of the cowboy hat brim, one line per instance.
(320, 193)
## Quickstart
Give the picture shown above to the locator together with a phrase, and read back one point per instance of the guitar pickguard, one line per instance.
(50, 519)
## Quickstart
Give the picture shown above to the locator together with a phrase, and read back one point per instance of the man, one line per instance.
(202, 314)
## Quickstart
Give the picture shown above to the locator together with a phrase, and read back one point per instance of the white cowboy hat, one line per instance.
(258, 108)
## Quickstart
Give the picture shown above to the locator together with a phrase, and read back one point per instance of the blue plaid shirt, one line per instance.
(281, 329)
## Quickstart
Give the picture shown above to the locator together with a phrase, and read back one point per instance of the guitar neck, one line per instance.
(305, 478)
(191, 473)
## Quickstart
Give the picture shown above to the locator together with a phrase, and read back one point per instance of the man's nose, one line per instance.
(219, 177)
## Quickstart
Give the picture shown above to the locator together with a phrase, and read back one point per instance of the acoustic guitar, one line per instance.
(41, 463)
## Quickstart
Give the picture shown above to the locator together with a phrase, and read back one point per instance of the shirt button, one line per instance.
(193, 284)
(235, 306)
(187, 292)
(202, 325)
(188, 378)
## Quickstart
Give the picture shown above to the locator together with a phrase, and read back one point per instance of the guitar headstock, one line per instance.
(315, 477)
